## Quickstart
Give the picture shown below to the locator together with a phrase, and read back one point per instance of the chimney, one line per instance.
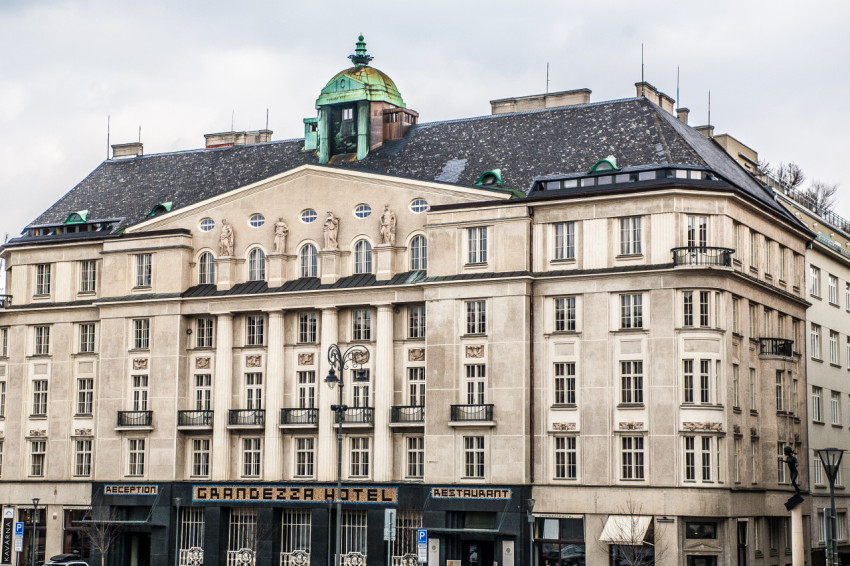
(229, 139)
(123, 150)
(707, 131)
(651, 93)
(540, 101)
(682, 114)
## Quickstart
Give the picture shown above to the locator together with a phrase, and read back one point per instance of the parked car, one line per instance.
(66, 560)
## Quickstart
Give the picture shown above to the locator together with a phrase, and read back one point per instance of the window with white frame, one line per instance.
(206, 269)
(87, 337)
(256, 265)
(88, 276)
(847, 296)
(191, 533)
(82, 457)
(4, 342)
(353, 532)
(473, 457)
(565, 314)
(767, 259)
(476, 317)
(701, 458)
(754, 459)
(630, 235)
(361, 391)
(696, 308)
(565, 383)
(836, 407)
(416, 386)
(782, 269)
(738, 455)
(815, 341)
(476, 242)
(415, 456)
(305, 456)
(817, 404)
(85, 395)
(307, 325)
(631, 311)
(42, 340)
(139, 392)
(476, 379)
(362, 257)
(42, 279)
(631, 382)
(832, 289)
(39, 397)
(203, 392)
(701, 391)
(565, 240)
(566, 458)
(823, 521)
(697, 231)
(814, 281)
(736, 315)
(418, 253)
(200, 457)
(254, 391)
(204, 333)
(252, 455)
(361, 325)
(306, 389)
(143, 270)
(753, 249)
(780, 469)
(753, 398)
(294, 532)
(736, 386)
(255, 326)
(754, 331)
(308, 261)
(38, 454)
(833, 348)
(2, 399)
(416, 321)
(780, 390)
(242, 533)
(631, 458)
(135, 456)
(141, 334)
(794, 396)
(359, 457)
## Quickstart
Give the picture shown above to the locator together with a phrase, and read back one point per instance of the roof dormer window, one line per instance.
(160, 208)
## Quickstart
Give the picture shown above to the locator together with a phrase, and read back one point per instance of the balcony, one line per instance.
(356, 416)
(776, 347)
(246, 418)
(407, 415)
(5, 301)
(472, 415)
(194, 420)
(135, 420)
(702, 256)
(302, 418)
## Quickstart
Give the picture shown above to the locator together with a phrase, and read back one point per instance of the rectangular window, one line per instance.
(2, 399)
(833, 289)
(736, 386)
(476, 239)
(307, 327)
(690, 459)
(4, 342)
(566, 462)
(631, 311)
(699, 452)
(753, 321)
(416, 321)
(361, 392)
(256, 329)
(780, 469)
(815, 341)
(736, 315)
(473, 456)
(780, 390)
(85, 395)
(136, 454)
(362, 329)
(632, 458)
(204, 338)
(753, 250)
(88, 276)
(42, 340)
(782, 272)
(631, 378)
(38, 453)
(203, 392)
(140, 392)
(476, 317)
(251, 457)
(82, 458)
(415, 456)
(754, 453)
(833, 347)
(254, 391)
(39, 397)
(704, 321)
(143, 270)
(416, 386)
(295, 533)
(814, 281)
(738, 457)
(630, 238)
(141, 334)
(565, 314)
(306, 389)
(697, 231)
(360, 457)
(200, 457)
(836, 407)
(565, 240)
(753, 398)
(87, 338)
(817, 403)
(1, 458)
(767, 258)
(565, 383)
(476, 378)
(688, 308)
(42, 279)
(847, 296)
(305, 456)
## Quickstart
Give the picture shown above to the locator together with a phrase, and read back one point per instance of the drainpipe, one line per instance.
(531, 384)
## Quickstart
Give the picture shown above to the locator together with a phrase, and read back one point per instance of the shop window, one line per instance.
(559, 542)
(75, 540)
(33, 552)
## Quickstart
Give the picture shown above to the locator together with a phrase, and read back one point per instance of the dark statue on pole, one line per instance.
(791, 462)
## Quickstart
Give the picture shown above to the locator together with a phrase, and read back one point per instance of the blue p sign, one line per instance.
(421, 536)
(19, 529)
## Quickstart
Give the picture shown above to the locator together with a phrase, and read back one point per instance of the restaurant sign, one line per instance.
(294, 493)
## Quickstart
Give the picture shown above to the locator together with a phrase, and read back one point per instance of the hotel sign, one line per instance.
(294, 493)
(471, 492)
(121, 489)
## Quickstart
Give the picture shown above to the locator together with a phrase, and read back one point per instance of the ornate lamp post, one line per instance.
(353, 357)
(35, 501)
(831, 459)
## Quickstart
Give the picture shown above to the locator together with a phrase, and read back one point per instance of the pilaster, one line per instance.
(327, 449)
(222, 393)
(278, 266)
(274, 398)
(225, 272)
(384, 261)
(330, 260)
(383, 393)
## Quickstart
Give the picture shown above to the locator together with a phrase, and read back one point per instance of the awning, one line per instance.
(625, 529)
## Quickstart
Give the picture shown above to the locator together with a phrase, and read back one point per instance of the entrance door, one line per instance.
(137, 549)
(477, 553)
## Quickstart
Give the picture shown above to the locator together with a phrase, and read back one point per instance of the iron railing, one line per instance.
(246, 417)
(135, 418)
(299, 416)
(407, 414)
(462, 413)
(356, 415)
(776, 347)
(194, 418)
(703, 256)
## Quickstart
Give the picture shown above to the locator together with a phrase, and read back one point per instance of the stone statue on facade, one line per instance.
(225, 240)
(388, 224)
(331, 231)
(791, 461)
(281, 231)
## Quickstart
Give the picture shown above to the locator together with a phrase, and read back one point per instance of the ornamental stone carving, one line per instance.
(354, 559)
(754, 432)
(225, 240)
(631, 426)
(416, 355)
(331, 230)
(140, 363)
(409, 560)
(476, 351)
(703, 426)
(306, 359)
(82, 432)
(202, 363)
(254, 361)
(281, 231)
(38, 433)
(195, 556)
(360, 356)
(300, 558)
(563, 427)
(736, 429)
(388, 225)
(245, 556)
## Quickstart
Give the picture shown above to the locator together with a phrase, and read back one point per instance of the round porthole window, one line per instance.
(419, 205)
(257, 220)
(308, 215)
(362, 210)
(207, 224)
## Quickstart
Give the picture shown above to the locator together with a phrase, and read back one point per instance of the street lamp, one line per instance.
(530, 507)
(831, 460)
(35, 501)
(353, 357)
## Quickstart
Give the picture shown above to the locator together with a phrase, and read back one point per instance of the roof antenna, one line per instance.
(232, 118)
(267, 118)
(642, 80)
(677, 88)
(107, 135)
(547, 77)
(709, 107)
(140, 133)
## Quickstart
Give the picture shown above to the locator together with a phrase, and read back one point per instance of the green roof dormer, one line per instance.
(603, 165)
(78, 217)
(160, 208)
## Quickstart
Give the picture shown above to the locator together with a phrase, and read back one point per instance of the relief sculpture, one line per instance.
(202, 363)
(305, 359)
(140, 363)
(476, 351)
(254, 361)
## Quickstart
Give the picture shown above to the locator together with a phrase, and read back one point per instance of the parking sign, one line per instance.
(19, 529)
(422, 545)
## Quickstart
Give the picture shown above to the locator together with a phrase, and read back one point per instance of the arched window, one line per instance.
(418, 253)
(256, 265)
(309, 263)
(363, 257)
(206, 269)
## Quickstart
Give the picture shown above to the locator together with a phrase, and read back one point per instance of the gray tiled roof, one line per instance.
(523, 145)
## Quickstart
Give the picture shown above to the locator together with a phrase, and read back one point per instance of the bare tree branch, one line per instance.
(821, 196)
(637, 544)
(791, 175)
(102, 528)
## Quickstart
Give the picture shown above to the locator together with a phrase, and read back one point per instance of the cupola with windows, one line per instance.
(358, 110)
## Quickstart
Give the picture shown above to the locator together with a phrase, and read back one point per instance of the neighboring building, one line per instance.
(589, 306)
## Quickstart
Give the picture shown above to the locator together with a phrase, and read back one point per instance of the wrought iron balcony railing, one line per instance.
(246, 417)
(357, 415)
(703, 256)
(776, 347)
(407, 414)
(472, 413)
(135, 418)
(299, 417)
(194, 418)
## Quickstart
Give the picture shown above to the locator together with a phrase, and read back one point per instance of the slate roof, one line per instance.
(524, 145)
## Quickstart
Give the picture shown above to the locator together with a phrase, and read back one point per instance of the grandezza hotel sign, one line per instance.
(294, 493)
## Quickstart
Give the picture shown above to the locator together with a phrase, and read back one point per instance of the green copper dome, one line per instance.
(360, 82)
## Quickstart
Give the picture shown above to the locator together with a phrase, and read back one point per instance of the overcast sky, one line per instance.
(778, 71)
